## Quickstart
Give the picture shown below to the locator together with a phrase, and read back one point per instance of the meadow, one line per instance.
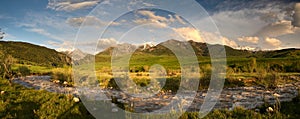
(21, 102)
(265, 72)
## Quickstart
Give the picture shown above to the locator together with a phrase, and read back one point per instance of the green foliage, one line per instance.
(170, 84)
(253, 65)
(23, 70)
(1, 34)
(62, 74)
(293, 67)
(233, 82)
(6, 65)
(291, 109)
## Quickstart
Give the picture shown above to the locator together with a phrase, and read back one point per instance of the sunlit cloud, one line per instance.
(229, 43)
(106, 43)
(189, 33)
(272, 43)
(62, 46)
(67, 5)
(158, 21)
(253, 40)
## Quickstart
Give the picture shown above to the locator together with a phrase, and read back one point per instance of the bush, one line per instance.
(62, 74)
(23, 70)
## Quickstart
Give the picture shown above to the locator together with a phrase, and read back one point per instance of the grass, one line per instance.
(21, 102)
(266, 72)
(62, 74)
(34, 69)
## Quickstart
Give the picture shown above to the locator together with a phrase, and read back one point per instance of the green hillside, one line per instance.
(292, 53)
(26, 53)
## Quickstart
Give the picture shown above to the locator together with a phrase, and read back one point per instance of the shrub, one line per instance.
(23, 70)
(62, 74)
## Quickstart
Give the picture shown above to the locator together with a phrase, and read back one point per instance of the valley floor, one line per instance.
(250, 97)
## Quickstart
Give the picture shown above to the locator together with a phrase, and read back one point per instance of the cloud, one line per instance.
(296, 16)
(244, 18)
(189, 33)
(276, 29)
(158, 21)
(240, 23)
(106, 43)
(271, 43)
(45, 33)
(148, 4)
(253, 40)
(62, 46)
(69, 5)
(213, 38)
(88, 21)
(135, 4)
(180, 20)
(6, 17)
(155, 24)
(151, 15)
(229, 43)
(51, 23)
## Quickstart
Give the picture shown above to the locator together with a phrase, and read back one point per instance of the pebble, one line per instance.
(56, 81)
(75, 99)
(269, 109)
(114, 110)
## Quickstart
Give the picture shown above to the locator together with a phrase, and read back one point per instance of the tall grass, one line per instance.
(62, 74)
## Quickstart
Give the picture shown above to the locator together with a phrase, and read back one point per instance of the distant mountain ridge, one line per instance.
(34, 54)
(202, 50)
(75, 54)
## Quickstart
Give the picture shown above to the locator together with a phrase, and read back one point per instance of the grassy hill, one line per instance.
(26, 53)
(292, 53)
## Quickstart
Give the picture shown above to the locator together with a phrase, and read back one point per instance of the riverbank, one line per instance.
(230, 98)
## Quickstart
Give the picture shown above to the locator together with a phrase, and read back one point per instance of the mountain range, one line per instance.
(202, 50)
(39, 55)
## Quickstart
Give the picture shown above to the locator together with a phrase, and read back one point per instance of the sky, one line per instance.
(93, 25)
